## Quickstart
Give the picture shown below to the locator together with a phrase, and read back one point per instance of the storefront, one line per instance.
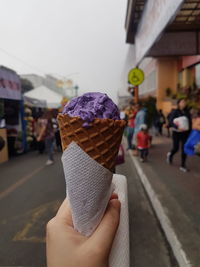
(11, 113)
(171, 78)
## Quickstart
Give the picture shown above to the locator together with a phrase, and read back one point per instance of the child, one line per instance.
(143, 140)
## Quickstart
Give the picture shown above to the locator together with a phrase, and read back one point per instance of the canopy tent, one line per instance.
(32, 102)
(52, 98)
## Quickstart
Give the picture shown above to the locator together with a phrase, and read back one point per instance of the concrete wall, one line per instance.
(160, 74)
(149, 68)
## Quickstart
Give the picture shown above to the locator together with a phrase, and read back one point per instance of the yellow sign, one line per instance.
(135, 76)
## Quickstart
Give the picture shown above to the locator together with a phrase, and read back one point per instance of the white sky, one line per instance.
(86, 37)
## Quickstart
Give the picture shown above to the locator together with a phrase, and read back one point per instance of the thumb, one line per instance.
(104, 235)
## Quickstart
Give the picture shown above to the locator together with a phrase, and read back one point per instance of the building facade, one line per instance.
(169, 78)
(166, 39)
(52, 83)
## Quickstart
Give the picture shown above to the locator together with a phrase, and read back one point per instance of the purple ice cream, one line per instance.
(91, 106)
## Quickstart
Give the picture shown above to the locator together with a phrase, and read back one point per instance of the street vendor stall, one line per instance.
(10, 112)
(33, 109)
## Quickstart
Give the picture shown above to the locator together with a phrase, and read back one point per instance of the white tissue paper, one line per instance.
(120, 254)
(89, 187)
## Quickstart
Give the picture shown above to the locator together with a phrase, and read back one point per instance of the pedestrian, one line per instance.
(140, 117)
(180, 122)
(57, 133)
(47, 134)
(131, 124)
(161, 122)
(143, 141)
(168, 124)
(66, 247)
(39, 125)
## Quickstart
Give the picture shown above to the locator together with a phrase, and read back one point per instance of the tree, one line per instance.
(26, 85)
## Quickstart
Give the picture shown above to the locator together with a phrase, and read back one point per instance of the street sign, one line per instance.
(135, 76)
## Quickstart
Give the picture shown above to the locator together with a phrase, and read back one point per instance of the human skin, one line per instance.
(68, 248)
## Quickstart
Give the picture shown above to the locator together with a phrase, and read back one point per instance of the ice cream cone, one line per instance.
(100, 140)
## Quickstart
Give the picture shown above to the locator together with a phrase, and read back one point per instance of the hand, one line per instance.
(68, 248)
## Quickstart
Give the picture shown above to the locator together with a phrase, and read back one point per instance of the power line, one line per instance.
(33, 67)
(22, 61)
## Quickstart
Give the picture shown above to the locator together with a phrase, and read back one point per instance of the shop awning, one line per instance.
(53, 99)
(10, 85)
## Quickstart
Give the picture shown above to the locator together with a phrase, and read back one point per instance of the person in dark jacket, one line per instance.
(180, 133)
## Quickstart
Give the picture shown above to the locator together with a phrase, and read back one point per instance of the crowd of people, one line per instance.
(181, 124)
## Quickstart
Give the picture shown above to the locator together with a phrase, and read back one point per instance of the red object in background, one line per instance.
(131, 121)
(188, 61)
(143, 140)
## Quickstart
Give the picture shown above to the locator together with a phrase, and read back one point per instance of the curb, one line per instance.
(164, 220)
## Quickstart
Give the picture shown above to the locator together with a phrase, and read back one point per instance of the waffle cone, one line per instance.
(100, 141)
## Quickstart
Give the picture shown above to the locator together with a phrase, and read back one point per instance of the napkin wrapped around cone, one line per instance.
(89, 155)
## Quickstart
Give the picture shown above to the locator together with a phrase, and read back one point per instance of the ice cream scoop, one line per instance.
(91, 106)
(93, 122)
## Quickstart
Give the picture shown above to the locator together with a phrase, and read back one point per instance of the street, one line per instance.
(32, 192)
(30, 195)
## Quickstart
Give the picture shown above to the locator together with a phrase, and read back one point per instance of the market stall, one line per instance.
(53, 99)
(33, 109)
(10, 112)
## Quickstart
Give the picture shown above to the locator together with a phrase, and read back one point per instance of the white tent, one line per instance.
(32, 102)
(52, 98)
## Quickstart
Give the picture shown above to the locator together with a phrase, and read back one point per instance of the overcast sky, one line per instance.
(81, 39)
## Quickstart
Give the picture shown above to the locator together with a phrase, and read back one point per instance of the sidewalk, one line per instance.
(175, 197)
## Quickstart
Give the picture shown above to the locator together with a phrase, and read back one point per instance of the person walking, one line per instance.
(47, 133)
(39, 125)
(140, 117)
(180, 121)
(130, 127)
(161, 121)
(168, 124)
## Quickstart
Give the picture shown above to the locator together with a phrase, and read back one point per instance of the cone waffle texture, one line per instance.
(100, 141)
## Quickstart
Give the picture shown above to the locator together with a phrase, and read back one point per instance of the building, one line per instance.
(11, 126)
(52, 83)
(166, 39)
(123, 101)
(166, 78)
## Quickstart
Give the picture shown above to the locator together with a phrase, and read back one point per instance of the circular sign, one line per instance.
(135, 76)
